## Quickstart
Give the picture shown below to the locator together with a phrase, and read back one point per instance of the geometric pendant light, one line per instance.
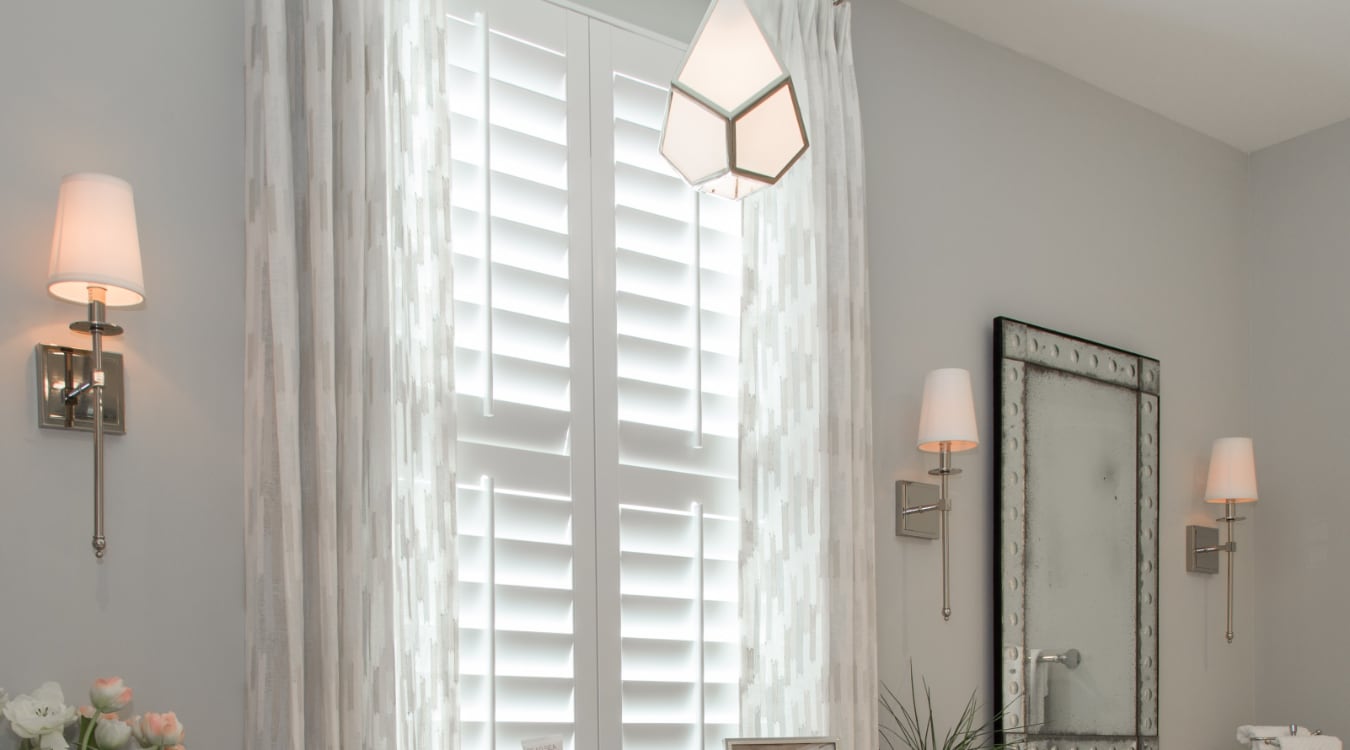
(733, 124)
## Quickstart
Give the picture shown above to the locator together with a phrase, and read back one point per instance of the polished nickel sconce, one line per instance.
(1232, 480)
(96, 260)
(946, 426)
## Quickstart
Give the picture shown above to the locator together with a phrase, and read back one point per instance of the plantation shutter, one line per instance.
(596, 345)
(671, 464)
(522, 369)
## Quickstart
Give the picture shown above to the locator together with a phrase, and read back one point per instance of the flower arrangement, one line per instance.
(40, 720)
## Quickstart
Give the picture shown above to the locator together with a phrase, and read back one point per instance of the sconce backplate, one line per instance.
(1200, 537)
(62, 367)
(916, 495)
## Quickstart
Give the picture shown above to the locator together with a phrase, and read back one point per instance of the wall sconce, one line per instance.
(1232, 480)
(96, 260)
(733, 124)
(946, 426)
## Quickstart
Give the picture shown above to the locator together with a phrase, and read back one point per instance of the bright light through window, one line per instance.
(596, 299)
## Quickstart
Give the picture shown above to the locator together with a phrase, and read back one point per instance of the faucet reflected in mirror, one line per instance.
(1232, 480)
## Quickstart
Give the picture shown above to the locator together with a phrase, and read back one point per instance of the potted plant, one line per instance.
(903, 727)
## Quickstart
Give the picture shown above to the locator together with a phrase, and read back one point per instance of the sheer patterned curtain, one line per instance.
(349, 425)
(808, 594)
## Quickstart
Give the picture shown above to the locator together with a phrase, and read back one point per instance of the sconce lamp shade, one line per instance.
(948, 413)
(733, 124)
(1232, 471)
(95, 241)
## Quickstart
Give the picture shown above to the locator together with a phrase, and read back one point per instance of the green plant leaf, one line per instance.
(903, 727)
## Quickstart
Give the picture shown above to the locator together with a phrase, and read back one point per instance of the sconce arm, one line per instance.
(72, 395)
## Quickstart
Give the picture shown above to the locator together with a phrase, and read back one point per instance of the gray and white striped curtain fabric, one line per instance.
(349, 421)
(808, 590)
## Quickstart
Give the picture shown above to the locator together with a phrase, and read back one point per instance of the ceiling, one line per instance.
(1250, 73)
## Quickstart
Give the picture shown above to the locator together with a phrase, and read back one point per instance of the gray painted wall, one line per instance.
(1300, 256)
(997, 185)
(152, 92)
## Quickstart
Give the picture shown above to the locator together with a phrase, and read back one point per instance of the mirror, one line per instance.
(1078, 568)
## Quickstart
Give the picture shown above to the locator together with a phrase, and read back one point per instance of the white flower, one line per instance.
(111, 734)
(41, 715)
(138, 732)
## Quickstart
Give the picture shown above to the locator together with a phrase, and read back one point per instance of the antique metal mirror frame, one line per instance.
(1020, 349)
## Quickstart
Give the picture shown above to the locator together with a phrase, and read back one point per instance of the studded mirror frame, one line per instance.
(1017, 346)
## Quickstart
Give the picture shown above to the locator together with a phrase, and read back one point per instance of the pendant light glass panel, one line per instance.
(768, 136)
(695, 140)
(733, 124)
(730, 62)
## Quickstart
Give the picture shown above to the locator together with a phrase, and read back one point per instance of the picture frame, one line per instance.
(781, 743)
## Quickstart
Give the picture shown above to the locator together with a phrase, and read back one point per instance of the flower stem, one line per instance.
(88, 732)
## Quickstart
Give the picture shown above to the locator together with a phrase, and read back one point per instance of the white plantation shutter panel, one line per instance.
(596, 360)
(672, 463)
(523, 368)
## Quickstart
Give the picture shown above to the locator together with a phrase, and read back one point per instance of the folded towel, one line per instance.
(1309, 743)
(1038, 689)
(1246, 732)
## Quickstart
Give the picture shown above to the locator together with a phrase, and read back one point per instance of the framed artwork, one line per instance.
(782, 743)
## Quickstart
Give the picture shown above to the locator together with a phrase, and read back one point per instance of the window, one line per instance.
(596, 345)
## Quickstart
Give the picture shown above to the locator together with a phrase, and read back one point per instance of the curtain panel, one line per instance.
(808, 589)
(349, 421)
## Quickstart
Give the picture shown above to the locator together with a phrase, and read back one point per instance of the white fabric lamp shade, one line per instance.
(95, 241)
(1232, 471)
(948, 413)
(733, 124)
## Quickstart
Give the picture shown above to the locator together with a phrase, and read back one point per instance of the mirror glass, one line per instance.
(1078, 569)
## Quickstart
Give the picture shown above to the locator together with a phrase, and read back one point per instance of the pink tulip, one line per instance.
(110, 695)
(161, 730)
